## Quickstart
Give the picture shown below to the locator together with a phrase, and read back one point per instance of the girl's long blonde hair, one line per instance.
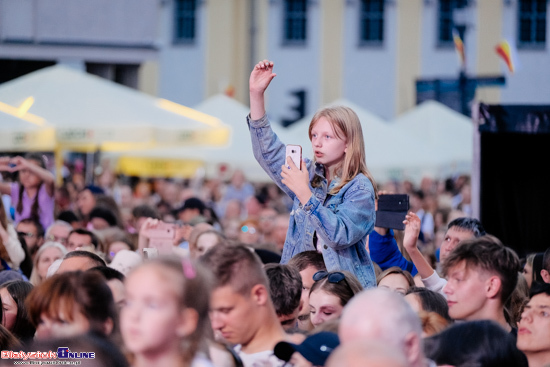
(346, 126)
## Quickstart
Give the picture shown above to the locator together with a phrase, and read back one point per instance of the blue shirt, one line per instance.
(341, 221)
(384, 252)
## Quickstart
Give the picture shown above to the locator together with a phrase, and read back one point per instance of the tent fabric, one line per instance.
(448, 134)
(390, 153)
(19, 135)
(237, 153)
(90, 113)
(393, 151)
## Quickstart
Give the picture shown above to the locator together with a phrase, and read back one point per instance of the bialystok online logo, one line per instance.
(62, 353)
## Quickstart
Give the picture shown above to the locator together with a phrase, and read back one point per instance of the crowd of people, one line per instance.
(223, 272)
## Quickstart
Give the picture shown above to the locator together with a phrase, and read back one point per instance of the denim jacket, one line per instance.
(341, 221)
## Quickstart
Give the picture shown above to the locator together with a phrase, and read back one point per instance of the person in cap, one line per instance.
(314, 350)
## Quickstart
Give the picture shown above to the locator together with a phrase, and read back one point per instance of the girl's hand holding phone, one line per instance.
(296, 179)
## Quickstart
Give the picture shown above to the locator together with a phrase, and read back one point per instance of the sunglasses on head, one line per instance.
(334, 277)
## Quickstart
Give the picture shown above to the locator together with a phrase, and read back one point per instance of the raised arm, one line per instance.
(46, 176)
(412, 230)
(259, 80)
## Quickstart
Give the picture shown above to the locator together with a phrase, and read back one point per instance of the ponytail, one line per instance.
(35, 205)
(20, 201)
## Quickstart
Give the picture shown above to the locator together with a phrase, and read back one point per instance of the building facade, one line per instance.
(371, 52)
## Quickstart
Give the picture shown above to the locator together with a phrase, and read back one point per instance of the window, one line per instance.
(446, 23)
(372, 21)
(532, 22)
(185, 20)
(295, 21)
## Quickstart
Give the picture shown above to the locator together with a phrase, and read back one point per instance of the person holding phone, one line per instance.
(333, 194)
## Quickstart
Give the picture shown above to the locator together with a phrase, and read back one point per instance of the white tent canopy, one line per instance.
(91, 113)
(446, 133)
(237, 154)
(20, 135)
(390, 153)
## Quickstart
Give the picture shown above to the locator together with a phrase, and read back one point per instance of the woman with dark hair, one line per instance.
(15, 317)
(330, 293)
(72, 303)
(537, 267)
(424, 300)
(475, 343)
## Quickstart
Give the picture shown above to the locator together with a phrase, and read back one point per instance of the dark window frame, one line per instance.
(532, 24)
(445, 22)
(295, 22)
(185, 21)
(371, 22)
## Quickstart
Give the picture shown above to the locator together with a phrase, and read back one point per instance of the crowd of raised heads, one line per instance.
(167, 272)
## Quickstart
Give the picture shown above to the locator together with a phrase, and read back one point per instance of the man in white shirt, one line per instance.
(458, 230)
(241, 310)
(481, 275)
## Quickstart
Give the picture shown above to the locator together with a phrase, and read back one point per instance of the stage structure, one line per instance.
(510, 175)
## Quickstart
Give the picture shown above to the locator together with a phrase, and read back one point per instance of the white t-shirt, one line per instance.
(260, 359)
(435, 283)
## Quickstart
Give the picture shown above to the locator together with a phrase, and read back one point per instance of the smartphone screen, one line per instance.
(295, 153)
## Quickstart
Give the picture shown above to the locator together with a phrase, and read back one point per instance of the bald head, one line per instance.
(360, 353)
(79, 260)
(383, 316)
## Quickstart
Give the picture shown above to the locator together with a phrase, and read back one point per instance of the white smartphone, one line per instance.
(295, 153)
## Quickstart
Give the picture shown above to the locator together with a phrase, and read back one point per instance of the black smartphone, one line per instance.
(392, 210)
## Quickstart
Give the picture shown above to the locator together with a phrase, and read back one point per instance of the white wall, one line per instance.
(443, 62)
(370, 71)
(182, 66)
(297, 66)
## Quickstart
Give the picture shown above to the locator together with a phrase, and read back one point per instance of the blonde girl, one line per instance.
(45, 256)
(166, 313)
(333, 194)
